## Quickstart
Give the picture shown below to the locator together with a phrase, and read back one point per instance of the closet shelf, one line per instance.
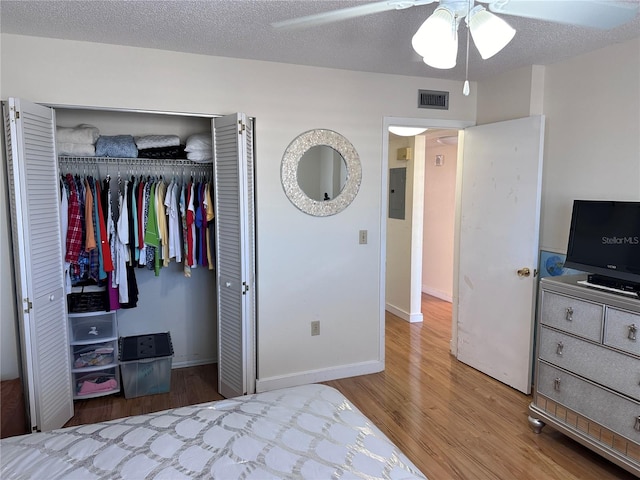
(147, 162)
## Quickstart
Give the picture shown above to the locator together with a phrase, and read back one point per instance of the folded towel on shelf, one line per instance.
(96, 386)
(156, 141)
(120, 146)
(163, 152)
(76, 149)
(201, 156)
(83, 133)
(198, 141)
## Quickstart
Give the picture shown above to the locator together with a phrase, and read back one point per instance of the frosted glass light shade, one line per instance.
(490, 33)
(407, 131)
(437, 39)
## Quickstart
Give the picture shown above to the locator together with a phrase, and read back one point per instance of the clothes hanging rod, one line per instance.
(145, 162)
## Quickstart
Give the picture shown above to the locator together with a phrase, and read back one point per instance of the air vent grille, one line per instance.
(433, 99)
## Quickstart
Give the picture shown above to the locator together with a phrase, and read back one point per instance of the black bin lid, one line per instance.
(152, 345)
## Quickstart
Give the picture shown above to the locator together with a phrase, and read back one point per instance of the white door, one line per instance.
(499, 234)
(235, 250)
(35, 220)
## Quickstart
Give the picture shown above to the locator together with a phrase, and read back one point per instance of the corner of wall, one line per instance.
(536, 104)
(510, 95)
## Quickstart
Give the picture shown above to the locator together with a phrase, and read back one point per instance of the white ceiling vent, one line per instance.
(433, 99)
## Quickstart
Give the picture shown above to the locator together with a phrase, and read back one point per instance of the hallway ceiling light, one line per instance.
(407, 131)
(448, 140)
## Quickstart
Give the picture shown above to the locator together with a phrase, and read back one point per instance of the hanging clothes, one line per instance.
(64, 227)
(112, 287)
(151, 234)
(185, 228)
(161, 193)
(102, 275)
(74, 230)
(122, 247)
(104, 242)
(210, 226)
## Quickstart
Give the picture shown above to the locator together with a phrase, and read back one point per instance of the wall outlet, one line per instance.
(363, 237)
(315, 328)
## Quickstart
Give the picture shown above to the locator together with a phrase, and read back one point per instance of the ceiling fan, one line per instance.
(437, 39)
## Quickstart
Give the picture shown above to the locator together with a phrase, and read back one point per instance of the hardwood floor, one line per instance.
(189, 386)
(452, 421)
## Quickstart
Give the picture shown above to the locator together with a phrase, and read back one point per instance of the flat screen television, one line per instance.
(604, 240)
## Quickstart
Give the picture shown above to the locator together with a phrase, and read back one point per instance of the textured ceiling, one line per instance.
(241, 28)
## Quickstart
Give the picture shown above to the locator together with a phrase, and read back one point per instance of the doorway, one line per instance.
(441, 161)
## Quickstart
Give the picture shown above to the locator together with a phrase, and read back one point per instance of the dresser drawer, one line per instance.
(612, 369)
(622, 330)
(612, 411)
(572, 315)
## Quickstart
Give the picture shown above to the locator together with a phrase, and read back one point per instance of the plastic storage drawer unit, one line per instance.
(145, 364)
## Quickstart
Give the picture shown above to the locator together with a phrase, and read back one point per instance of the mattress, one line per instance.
(311, 431)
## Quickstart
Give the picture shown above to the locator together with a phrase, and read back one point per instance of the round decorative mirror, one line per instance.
(321, 172)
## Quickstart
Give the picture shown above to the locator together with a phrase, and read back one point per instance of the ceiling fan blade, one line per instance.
(586, 13)
(350, 12)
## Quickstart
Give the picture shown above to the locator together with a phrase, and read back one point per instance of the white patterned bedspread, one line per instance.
(311, 432)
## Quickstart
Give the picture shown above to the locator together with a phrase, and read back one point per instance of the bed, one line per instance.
(311, 431)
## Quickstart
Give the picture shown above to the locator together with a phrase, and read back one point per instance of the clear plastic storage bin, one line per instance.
(145, 364)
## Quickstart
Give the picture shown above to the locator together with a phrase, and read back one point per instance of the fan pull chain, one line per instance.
(465, 88)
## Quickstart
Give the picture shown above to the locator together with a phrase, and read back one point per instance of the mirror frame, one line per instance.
(289, 172)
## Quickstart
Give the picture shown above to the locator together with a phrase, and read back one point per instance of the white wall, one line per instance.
(308, 268)
(398, 257)
(592, 138)
(512, 95)
(592, 144)
(439, 218)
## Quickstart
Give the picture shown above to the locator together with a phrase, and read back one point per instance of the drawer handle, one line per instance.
(637, 425)
(632, 332)
(559, 348)
(569, 315)
(556, 384)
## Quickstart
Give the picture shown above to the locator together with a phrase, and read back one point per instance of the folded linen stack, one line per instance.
(199, 148)
(77, 141)
(117, 146)
(159, 146)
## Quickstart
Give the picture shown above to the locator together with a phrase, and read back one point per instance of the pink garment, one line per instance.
(91, 387)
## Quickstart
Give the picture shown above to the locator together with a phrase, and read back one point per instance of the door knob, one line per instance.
(524, 272)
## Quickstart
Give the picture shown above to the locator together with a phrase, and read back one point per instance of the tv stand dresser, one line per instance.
(587, 373)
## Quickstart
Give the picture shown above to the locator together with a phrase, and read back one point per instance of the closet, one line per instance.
(211, 315)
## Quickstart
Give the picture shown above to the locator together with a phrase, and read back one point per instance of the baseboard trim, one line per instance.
(193, 363)
(447, 297)
(315, 376)
(409, 317)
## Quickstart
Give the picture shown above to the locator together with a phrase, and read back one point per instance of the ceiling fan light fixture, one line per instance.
(406, 131)
(490, 33)
(436, 41)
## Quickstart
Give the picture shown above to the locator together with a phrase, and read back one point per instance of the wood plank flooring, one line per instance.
(189, 386)
(452, 421)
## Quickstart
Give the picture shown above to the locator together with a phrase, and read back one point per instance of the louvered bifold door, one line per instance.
(35, 222)
(235, 247)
